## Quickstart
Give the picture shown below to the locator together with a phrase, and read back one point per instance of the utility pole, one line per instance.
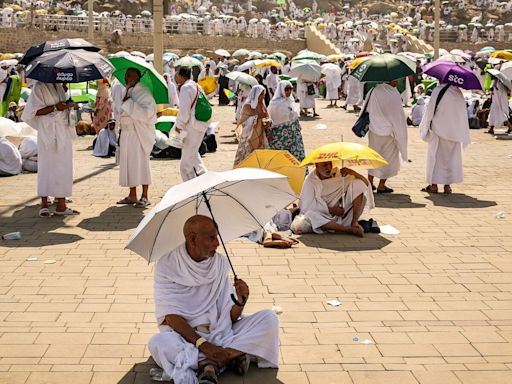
(158, 34)
(90, 29)
(437, 33)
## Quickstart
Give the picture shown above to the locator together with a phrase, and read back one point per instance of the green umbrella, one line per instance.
(385, 67)
(188, 61)
(165, 123)
(150, 77)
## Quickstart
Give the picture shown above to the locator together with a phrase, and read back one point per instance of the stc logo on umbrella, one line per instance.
(455, 79)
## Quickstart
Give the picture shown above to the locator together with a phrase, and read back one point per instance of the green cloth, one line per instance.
(13, 93)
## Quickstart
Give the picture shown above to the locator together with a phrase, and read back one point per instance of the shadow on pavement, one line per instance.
(459, 200)
(342, 242)
(117, 218)
(139, 374)
(35, 231)
(396, 200)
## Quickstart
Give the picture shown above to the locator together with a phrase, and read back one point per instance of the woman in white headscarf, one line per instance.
(285, 132)
(253, 122)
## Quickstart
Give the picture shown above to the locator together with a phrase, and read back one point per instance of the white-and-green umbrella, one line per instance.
(242, 77)
(188, 61)
(307, 70)
(241, 52)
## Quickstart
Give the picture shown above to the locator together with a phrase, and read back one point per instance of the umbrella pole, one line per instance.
(207, 202)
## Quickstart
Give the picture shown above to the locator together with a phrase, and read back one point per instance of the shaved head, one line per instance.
(197, 224)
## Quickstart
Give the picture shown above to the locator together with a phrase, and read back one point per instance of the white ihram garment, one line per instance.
(318, 195)
(137, 137)
(498, 112)
(388, 129)
(447, 136)
(54, 140)
(10, 158)
(105, 138)
(191, 162)
(199, 292)
(355, 91)
(28, 152)
(305, 101)
(332, 83)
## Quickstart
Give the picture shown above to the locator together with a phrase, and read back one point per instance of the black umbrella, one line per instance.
(69, 66)
(56, 45)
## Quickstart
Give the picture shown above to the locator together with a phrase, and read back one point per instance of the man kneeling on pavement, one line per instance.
(202, 330)
(333, 200)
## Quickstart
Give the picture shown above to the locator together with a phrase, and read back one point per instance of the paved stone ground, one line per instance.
(436, 300)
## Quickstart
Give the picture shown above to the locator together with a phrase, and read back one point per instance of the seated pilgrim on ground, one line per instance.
(334, 200)
(28, 151)
(10, 158)
(105, 143)
(202, 330)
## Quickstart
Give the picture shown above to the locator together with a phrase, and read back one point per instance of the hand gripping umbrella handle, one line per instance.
(240, 304)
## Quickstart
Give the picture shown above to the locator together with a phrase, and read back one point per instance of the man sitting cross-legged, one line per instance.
(334, 201)
(201, 330)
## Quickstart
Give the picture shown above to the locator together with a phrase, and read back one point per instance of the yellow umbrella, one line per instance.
(336, 57)
(209, 84)
(504, 55)
(15, 7)
(278, 161)
(267, 63)
(350, 154)
(391, 26)
(41, 12)
(7, 56)
(169, 112)
(355, 63)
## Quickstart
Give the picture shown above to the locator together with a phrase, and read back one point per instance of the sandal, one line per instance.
(447, 190)
(67, 212)
(207, 377)
(126, 201)
(240, 365)
(158, 374)
(385, 190)
(429, 189)
(142, 203)
(44, 212)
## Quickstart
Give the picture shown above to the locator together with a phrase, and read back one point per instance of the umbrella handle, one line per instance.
(240, 304)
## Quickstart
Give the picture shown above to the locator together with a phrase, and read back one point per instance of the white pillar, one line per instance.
(158, 34)
(90, 29)
(437, 34)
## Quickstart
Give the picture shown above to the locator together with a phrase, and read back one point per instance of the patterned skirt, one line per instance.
(288, 136)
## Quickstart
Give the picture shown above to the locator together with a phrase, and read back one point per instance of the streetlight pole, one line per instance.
(158, 35)
(437, 33)
(90, 29)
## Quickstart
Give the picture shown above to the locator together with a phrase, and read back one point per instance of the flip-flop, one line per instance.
(428, 189)
(142, 203)
(385, 190)
(240, 365)
(126, 201)
(67, 212)
(44, 212)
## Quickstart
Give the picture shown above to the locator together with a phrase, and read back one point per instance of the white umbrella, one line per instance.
(240, 201)
(242, 77)
(8, 128)
(222, 52)
(247, 65)
(453, 58)
(188, 61)
(139, 54)
(306, 70)
(241, 52)
(26, 130)
(331, 68)
(506, 69)
(150, 57)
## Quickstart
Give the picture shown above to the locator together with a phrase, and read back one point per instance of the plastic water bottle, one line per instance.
(176, 139)
(12, 236)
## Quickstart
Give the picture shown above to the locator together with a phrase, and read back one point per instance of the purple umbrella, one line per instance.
(454, 74)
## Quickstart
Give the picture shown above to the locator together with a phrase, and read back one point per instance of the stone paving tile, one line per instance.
(436, 300)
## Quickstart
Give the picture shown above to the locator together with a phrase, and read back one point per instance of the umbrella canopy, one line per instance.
(308, 55)
(279, 56)
(169, 56)
(488, 49)
(385, 67)
(26, 130)
(279, 161)
(267, 63)
(242, 200)
(247, 65)
(241, 52)
(454, 58)
(150, 77)
(505, 55)
(506, 69)
(165, 123)
(222, 52)
(502, 78)
(355, 63)
(351, 154)
(9, 127)
(242, 77)
(55, 45)
(188, 61)
(453, 74)
(331, 68)
(69, 66)
(306, 70)
(198, 56)
(335, 57)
